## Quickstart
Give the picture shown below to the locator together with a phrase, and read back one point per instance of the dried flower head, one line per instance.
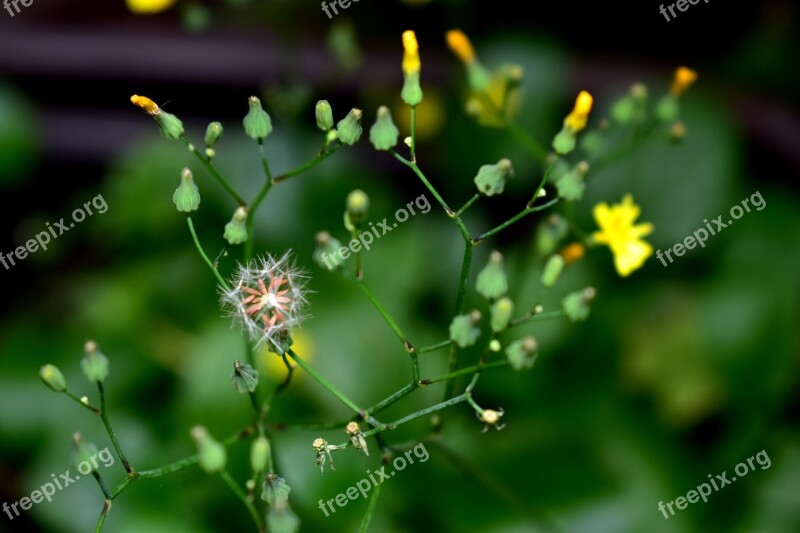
(491, 418)
(267, 297)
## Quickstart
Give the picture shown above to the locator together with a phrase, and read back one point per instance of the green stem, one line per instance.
(525, 212)
(413, 166)
(322, 156)
(254, 205)
(414, 134)
(462, 371)
(468, 204)
(434, 347)
(536, 317)
(371, 506)
(214, 172)
(242, 496)
(203, 254)
(474, 405)
(110, 430)
(413, 416)
(386, 316)
(386, 402)
(93, 409)
(103, 514)
(461, 301)
(96, 475)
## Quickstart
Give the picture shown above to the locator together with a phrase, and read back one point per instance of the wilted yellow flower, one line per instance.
(145, 103)
(618, 232)
(460, 45)
(149, 7)
(684, 77)
(576, 120)
(411, 62)
(572, 252)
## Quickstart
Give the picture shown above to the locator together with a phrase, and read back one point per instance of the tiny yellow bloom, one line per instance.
(149, 7)
(684, 77)
(411, 62)
(145, 103)
(460, 45)
(572, 252)
(618, 232)
(576, 120)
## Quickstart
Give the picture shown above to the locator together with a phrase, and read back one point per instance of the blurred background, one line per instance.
(679, 372)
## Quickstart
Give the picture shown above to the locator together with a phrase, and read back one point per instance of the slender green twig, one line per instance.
(214, 172)
(88, 406)
(535, 317)
(434, 347)
(525, 212)
(322, 156)
(385, 314)
(103, 514)
(413, 134)
(462, 371)
(97, 477)
(237, 490)
(110, 430)
(371, 506)
(219, 277)
(468, 204)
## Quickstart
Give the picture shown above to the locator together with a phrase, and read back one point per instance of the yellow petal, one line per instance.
(684, 77)
(411, 61)
(145, 103)
(461, 46)
(630, 256)
(149, 7)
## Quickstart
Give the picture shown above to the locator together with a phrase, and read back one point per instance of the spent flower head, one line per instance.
(267, 297)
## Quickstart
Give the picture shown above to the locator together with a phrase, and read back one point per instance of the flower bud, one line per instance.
(211, 454)
(572, 252)
(275, 489)
(171, 126)
(82, 454)
(53, 378)
(325, 253)
(94, 364)
(501, 314)
(259, 454)
(349, 128)
(412, 92)
(257, 124)
(683, 79)
(236, 229)
(576, 304)
(324, 115)
(668, 108)
(383, 134)
(281, 518)
(213, 133)
(521, 354)
(464, 329)
(549, 234)
(571, 185)
(187, 196)
(491, 179)
(492, 282)
(357, 208)
(552, 270)
(244, 378)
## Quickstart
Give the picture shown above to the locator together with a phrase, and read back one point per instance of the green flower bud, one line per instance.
(630, 108)
(281, 518)
(236, 229)
(576, 304)
(257, 124)
(324, 114)
(564, 141)
(491, 179)
(213, 133)
(211, 454)
(501, 314)
(94, 364)
(171, 126)
(349, 128)
(325, 253)
(668, 108)
(211, 153)
(464, 329)
(357, 207)
(383, 134)
(412, 91)
(593, 142)
(571, 185)
(495, 345)
(53, 378)
(275, 489)
(259, 454)
(550, 234)
(187, 196)
(331, 137)
(477, 76)
(492, 282)
(552, 270)
(82, 454)
(522, 354)
(244, 378)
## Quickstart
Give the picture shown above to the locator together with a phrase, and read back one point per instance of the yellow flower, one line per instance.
(617, 230)
(145, 103)
(572, 252)
(576, 120)
(460, 45)
(272, 366)
(684, 77)
(149, 7)
(411, 62)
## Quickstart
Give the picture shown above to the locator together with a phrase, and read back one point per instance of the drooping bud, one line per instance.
(357, 208)
(491, 179)
(82, 454)
(326, 251)
(501, 314)
(275, 489)
(187, 195)
(53, 378)
(257, 124)
(324, 115)
(521, 354)
(492, 282)
(211, 454)
(349, 128)
(213, 133)
(571, 185)
(383, 134)
(236, 229)
(464, 330)
(94, 364)
(576, 304)
(259, 454)
(244, 378)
